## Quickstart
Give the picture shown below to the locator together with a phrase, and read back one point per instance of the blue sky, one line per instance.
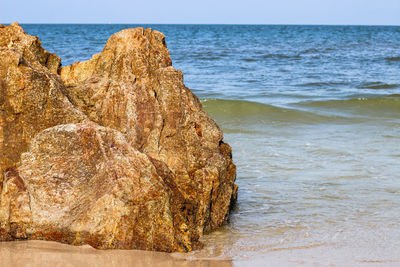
(363, 12)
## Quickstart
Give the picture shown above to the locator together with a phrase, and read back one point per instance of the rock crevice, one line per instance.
(114, 152)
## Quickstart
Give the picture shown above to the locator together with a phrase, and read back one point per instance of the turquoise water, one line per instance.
(313, 116)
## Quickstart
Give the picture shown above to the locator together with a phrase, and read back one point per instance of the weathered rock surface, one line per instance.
(114, 152)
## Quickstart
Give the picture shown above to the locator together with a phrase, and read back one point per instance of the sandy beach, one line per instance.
(44, 253)
(51, 254)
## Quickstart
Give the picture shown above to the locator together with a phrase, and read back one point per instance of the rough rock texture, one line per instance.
(114, 152)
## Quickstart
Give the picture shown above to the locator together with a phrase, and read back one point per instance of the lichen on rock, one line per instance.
(114, 152)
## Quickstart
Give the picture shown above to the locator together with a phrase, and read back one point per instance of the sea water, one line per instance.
(313, 116)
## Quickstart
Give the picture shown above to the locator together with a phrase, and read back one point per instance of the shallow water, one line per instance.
(313, 116)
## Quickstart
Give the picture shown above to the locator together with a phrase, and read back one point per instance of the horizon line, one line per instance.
(239, 24)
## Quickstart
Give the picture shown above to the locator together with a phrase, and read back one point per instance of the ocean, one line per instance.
(313, 116)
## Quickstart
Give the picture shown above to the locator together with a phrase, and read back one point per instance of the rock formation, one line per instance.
(114, 152)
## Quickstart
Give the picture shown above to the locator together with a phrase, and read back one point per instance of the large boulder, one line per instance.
(114, 152)
(31, 97)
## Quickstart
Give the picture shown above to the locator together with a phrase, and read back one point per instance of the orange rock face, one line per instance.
(114, 152)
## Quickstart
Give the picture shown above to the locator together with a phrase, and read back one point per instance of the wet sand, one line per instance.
(319, 255)
(46, 254)
(52, 254)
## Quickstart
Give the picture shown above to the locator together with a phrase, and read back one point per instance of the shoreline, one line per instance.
(50, 253)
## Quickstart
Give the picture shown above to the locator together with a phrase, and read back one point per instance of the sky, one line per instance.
(354, 12)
